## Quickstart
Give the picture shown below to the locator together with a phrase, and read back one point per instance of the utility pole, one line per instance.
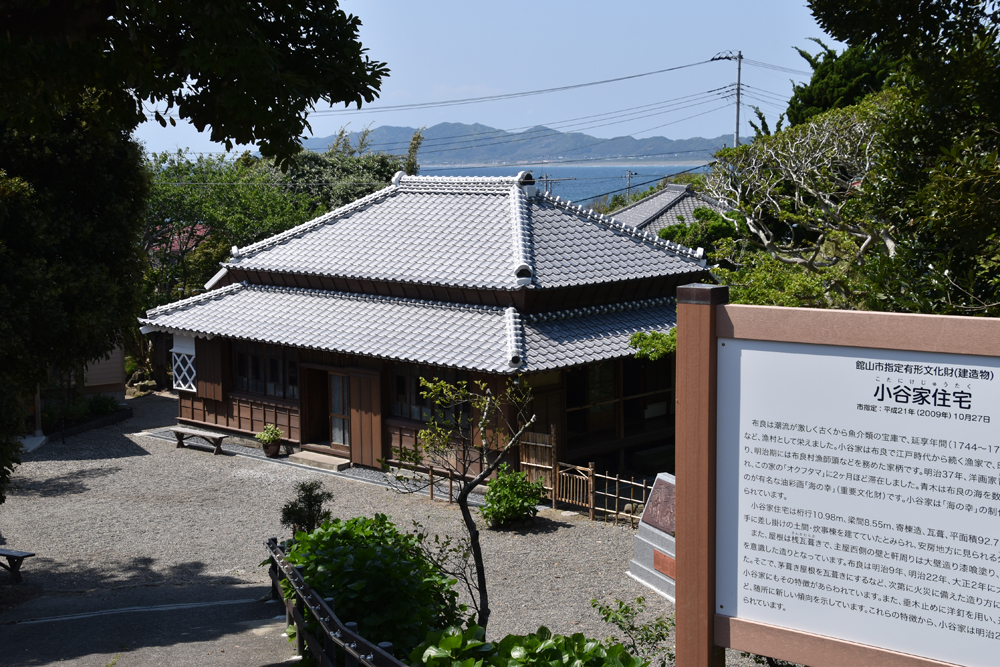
(739, 67)
(628, 183)
(738, 57)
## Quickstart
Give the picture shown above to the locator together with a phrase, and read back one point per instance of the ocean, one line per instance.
(584, 182)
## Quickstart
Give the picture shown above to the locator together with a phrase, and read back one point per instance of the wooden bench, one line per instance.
(182, 432)
(14, 560)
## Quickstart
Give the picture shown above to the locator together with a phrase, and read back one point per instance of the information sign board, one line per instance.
(858, 495)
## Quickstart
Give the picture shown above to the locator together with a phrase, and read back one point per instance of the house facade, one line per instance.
(326, 329)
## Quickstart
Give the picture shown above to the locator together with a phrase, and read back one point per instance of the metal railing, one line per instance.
(335, 644)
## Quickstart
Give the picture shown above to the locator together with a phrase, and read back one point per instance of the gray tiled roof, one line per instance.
(684, 206)
(650, 206)
(467, 232)
(481, 338)
(555, 340)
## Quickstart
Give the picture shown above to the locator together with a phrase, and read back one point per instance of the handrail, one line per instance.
(335, 633)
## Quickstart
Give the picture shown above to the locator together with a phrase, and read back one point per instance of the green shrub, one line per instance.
(378, 577)
(305, 512)
(100, 404)
(511, 497)
(646, 640)
(455, 648)
(130, 366)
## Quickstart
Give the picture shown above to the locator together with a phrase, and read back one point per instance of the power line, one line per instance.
(541, 164)
(519, 139)
(505, 96)
(554, 124)
(761, 91)
(638, 185)
(776, 68)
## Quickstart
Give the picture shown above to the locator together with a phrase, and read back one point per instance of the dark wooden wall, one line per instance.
(247, 414)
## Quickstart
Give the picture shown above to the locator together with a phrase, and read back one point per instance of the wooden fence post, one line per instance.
(273, 571)
(300, 607)
(350, 660)
(590, 485)
(697, 361)
(617, 496)
(329, 647)
(555, 465)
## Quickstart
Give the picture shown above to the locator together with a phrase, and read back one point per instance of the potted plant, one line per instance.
(270, 440)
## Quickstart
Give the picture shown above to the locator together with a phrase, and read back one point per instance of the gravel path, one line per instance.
(117, 508)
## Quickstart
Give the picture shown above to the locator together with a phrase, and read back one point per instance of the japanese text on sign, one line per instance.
(868, 510)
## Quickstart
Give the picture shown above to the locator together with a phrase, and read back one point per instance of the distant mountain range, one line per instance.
(457, 143)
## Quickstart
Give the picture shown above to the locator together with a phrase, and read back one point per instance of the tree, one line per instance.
(801, 192)
(251, 71)
(71, 205)
(470, 432)
(411, 166)
(199, 208)
(338, 177)
(838, 80)
(936, 183)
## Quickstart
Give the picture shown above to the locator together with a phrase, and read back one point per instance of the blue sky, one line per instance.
(443, 50)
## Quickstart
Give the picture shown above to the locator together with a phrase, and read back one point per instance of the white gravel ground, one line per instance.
(115, 508)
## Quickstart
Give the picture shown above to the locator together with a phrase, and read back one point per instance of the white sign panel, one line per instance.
(859, 495)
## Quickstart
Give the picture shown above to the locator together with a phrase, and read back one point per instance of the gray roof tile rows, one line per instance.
(684, 206)
(467, 232)
(650, 206)
(557, 340)
(481, 338)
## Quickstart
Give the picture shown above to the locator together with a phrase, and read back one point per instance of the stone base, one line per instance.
(317, 460)
(32, 442)
(643, 567)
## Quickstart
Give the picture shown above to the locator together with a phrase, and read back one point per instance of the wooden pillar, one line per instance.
(38, 411)
(697, 360)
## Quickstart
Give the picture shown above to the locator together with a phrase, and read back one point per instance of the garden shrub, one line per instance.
(455, 648)
(305, 512)
(511, 497)
(378, 577)
(100, 405)
(647, 640)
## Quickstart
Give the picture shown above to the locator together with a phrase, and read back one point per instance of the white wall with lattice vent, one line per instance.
(184, 369)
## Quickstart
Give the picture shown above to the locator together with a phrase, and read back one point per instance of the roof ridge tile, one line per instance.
(515, 337)
(524, 265)
(198, 298)
(602, 309)
(317, 222)
(348, 296)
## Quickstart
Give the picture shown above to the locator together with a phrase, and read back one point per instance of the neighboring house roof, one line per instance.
(483, 233)
(656, 211)
(650, 206)
(479, 338)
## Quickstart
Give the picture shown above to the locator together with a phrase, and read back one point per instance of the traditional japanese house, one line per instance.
(326, 329)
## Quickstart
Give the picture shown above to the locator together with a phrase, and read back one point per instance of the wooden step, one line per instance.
(317, 460)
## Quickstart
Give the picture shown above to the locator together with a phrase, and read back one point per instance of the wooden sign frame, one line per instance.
(703, 316)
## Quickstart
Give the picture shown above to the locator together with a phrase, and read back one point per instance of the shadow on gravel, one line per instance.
(69, 484)
(100, 444)
(178, 636)
(542, 525)
(55, 576)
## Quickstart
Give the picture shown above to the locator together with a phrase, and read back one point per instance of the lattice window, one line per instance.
(184, 373)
